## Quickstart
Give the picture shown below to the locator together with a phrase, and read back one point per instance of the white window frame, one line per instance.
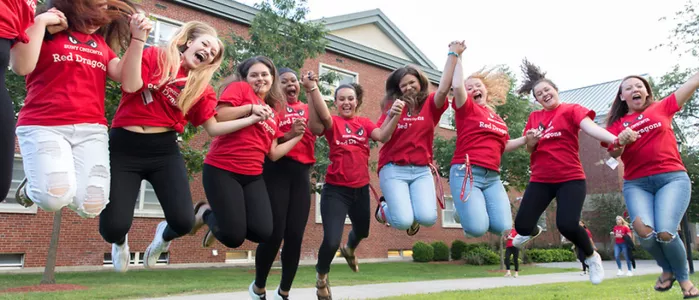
(141, 212)
(13, 266)
(446, 119)
(319, 218)
(15, 208)
(449, 206)
(334, 85)
(250, 257)
(136, 259)
(156, 27)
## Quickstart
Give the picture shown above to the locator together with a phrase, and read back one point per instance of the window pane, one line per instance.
(150, 200)
(167, 30)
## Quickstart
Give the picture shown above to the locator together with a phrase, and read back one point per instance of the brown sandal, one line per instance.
(352, 261)
(323, 284)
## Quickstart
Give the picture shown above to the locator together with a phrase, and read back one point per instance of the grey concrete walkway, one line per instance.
(372, 291)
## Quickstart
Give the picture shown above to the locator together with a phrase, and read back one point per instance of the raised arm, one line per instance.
(458, 85)
(278, 151)
(384, 133)
(128, 69)
(455, 50)
(685, 92)
(216, 128)
(319, 119)
(23, 57)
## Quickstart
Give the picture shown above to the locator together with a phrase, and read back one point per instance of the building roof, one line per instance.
(597, 97)
(241, 13)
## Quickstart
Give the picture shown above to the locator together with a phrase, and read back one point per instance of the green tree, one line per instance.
(690, 157)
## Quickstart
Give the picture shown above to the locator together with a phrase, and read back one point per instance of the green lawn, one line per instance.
(637, 287)
(142, 283)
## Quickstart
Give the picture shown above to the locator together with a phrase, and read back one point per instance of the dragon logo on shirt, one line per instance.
(289, 109)
(347, 129)
(301, 112)
(75, 41)
(626, 124)
(541, 127)
(640, 117)
(360, 131)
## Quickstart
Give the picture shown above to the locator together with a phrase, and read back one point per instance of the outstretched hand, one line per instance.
(309, 80)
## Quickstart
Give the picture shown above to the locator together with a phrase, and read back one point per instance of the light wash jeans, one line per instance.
(488, 207)
(622, 248)
(660, 201)
(66, 166)
(410, 195)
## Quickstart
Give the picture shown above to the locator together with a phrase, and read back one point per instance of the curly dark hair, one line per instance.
(532, 77)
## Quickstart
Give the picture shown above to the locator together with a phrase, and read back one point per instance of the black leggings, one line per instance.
(7, 123)
(240, 207)
(337, 202)
(154, 157)
(581, 258)
(514, 251)
(570, 196)
(289, 188)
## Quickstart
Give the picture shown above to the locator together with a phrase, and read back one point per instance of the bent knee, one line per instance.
(402, 222)
(641, 228)
(181, 226)
(231, 241)
(475, 230)
(96, 195)
(665, 236)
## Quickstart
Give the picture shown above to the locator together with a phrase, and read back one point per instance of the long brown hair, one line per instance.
(275, 97)
(621, 108)
(532, 77)
(113, 23)
(170, 60)
(393, 92)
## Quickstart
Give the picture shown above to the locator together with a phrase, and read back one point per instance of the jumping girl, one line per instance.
(289, 188)
(657, 189)
(232, 176)
(481, 139)
(19, 15)
(404, 162)
(346, 188)
(62, 129)
(556, 171)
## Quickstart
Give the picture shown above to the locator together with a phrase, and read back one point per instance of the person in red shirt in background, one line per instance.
(163, 89)
(18, 16)
(580, 253)
(513, 251)
(62, 129)
(657, 189)
(405, 172)
(556, 171)
(482, 136)
(620, 229)
(289, 188)
(346, 188)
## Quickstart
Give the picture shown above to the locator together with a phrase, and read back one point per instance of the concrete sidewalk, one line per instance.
(372, 291)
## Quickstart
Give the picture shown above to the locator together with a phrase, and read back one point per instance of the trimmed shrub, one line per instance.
(458, 247)
(422, 252)
(640, 253)
(550, 255)
(441, 251)
(695, 255)
(480, 256)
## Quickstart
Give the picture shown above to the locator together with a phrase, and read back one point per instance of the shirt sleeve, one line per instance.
(382, 119)
(237, 94)
(204, 109)
(369, 126)
(579, 112)
(330, 132)
(434, 110)
(278, 132)
(149, 63)
(669, 106)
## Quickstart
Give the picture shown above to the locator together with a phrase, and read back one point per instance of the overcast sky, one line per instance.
(578, 43)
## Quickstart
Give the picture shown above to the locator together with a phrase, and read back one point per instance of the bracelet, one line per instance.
(140, 40)
(453, 53)
(311, 90)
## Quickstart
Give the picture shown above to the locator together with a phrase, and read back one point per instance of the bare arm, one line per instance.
(458, 86)
(513, 144)
(597, 132)
(23, 57)
(228, 112)
(384, 133)
(447, 76)
(128, 69)
(278, 151)
(319, 119)
(216, 128)
(685, 92)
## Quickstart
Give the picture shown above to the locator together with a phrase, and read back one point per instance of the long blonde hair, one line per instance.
(496, 82)
(623, 221)
(170, 60)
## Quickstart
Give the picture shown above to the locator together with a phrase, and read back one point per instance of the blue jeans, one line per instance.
(660, 201)
(488, 207)
(410, 195)
(618, 249)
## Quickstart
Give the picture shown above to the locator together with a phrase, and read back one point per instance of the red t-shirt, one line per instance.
(348, 140)
(589, 234)
(18, 15)
(511, 236)
(619, 232)
(411, 142)
(68, 84)
(556, 158)
(655, 151)
(157, 106)
(243, 152)
(481, 134)
(304, 151)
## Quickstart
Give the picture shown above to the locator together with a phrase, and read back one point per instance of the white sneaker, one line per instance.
(620, 273)
(380, 213)
(629, 273)
(596, 269)
(157, 247)
(583, 273)
(253, 296)
(121, 257)
(520, 240)
(278, 296)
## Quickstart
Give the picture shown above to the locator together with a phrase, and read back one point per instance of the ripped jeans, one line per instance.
(660, 201)
(66, 165)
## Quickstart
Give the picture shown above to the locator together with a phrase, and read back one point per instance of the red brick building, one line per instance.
(363, 47)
